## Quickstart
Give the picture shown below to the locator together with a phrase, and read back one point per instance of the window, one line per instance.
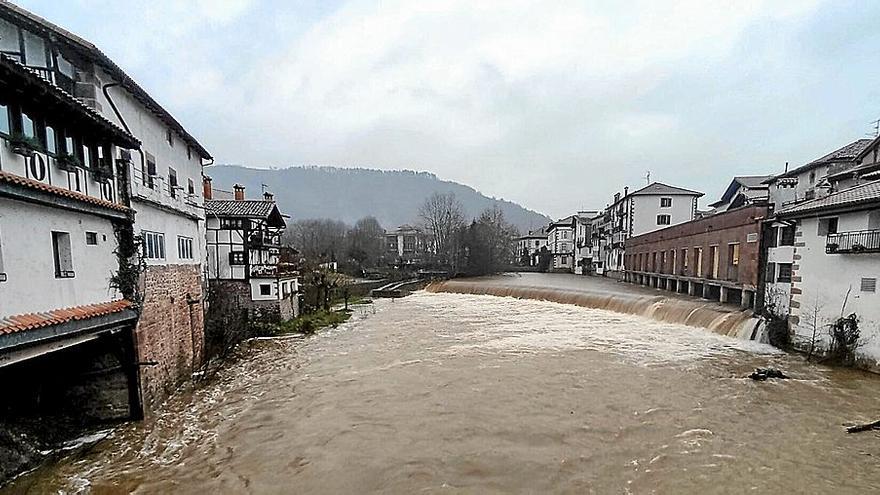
(154, 245)
(770, 276)
(184, 248)
(665, 202)
(62, 254)
(684, 261)
(87, 156)
(751, 238)
(698, 260)
(27, 125)
(784, 274)
(189, 153)
(92, 238)
(827, 226)
(236, 258)
(172, 182)
(787, 236)
(190, 187)
(664, 219)
(265, 290)
(169, 136)
(149, 172)
(232, 223)
(51, 143)
(812, 177)
(733, 254)
(869, 284)
(4, 119)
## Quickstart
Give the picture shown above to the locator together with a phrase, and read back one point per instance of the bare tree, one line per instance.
(320, 240)
(442, 216)
(812, 314)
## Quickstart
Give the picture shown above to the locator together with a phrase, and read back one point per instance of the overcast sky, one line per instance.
(554, 105)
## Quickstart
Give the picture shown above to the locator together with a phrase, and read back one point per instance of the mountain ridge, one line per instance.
(348, 194)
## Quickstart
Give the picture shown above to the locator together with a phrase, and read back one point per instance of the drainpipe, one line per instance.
(105, 89)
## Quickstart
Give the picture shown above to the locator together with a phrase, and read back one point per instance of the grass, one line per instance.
(312, 322)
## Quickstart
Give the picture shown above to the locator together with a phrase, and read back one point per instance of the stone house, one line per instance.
(164, 172)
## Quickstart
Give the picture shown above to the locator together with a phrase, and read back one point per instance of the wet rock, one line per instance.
(761, 374)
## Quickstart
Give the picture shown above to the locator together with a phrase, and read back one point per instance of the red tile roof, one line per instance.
(31, 321)
(60, 191)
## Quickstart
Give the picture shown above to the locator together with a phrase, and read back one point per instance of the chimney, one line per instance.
(239, 192)
(208, 192)
(268, 196)
(625, 191)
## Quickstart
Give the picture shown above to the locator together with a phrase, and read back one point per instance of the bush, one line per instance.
(845, 336)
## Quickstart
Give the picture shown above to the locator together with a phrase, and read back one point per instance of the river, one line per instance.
(462, 393)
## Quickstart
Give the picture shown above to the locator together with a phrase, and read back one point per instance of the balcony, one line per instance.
(269, 270)
(863, 241)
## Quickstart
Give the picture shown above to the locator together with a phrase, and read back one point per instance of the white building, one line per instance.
(835, 266)
(561, 242)
(64, 216)
(244, 249)
(165, 171)
(655, 206)
(529, 247)
(810, 180)
(583, 242)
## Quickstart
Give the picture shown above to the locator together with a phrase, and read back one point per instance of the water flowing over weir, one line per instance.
(729, 321)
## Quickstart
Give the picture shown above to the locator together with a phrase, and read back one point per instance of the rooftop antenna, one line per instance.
(263, 188)
(876, 131)
(786, 167)
(648, 177)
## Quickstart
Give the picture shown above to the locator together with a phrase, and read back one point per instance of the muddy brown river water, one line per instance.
(452, 393)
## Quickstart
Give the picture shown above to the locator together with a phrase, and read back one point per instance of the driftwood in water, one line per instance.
(865, 427)
(761, 374)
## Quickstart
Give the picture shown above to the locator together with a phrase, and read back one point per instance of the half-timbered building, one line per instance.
(244, 250)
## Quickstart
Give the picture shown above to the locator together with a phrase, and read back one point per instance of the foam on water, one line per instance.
(532, 326)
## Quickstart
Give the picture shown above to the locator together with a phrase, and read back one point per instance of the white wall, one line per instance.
(153, 219)
(28, 260)
(826, 279)
(645, 209)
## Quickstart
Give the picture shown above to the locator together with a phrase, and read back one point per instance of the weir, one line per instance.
(718, 318)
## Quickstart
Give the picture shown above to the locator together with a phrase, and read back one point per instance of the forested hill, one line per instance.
(393, 197)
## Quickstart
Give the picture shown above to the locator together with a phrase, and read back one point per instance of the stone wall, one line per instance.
(170, 333)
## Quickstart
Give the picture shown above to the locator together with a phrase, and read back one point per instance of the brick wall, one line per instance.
(170, 331)
(718, 230)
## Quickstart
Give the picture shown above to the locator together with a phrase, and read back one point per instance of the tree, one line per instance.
(489, 243)
(442, 216)
(319, 240)
(365, 241)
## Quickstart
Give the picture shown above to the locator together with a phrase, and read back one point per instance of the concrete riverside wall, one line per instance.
(170, 331)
